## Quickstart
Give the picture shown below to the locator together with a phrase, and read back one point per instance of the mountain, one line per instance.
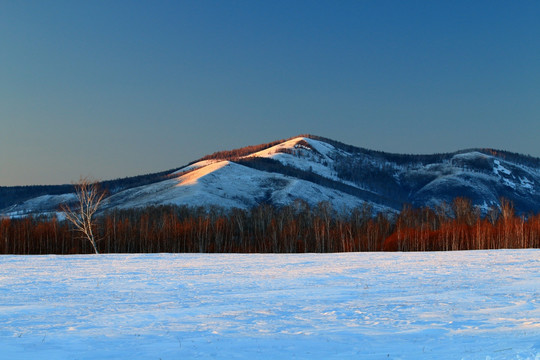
(313, 169)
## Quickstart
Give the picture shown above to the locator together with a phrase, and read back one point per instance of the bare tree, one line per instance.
(89, 196)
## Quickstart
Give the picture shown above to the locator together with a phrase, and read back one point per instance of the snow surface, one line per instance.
(498, 168)
(231, 185)
(194, 166)
(320, 161)
(304, 158)
(41, 202)
(452, 305)
(526, 183)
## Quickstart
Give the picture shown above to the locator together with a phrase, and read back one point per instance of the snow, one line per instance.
(323, 148)
(308, 159)
(45, 205)
(194, 176)
(326, 150)
(289, 145)
(319, 162)
(509, 183)
(526, 183)
(485, 207)
(471, 155)
(231, 185)
(453, 305)
(196, 165)
(498, 168)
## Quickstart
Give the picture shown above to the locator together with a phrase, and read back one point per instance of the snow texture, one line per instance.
(499, 168)
(41, 202)
(317, 159)
(453, 305)
(230, 185)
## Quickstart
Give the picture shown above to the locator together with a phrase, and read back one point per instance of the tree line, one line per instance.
(295, 228)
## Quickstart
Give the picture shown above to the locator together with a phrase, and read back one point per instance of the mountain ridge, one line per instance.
(313, 169)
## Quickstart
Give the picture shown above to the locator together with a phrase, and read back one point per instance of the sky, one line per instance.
(110, 89)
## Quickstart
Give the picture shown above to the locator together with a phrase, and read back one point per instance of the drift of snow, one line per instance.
(454, 305)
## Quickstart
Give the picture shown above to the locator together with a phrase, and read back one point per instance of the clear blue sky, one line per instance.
(119, 88)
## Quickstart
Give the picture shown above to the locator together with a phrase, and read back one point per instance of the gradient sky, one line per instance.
(120, 88)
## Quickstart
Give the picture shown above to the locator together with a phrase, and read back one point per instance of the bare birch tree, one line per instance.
(89, 196)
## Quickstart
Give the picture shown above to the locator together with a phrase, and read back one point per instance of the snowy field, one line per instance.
(452, 305)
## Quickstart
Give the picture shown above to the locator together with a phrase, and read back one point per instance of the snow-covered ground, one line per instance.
(452, 305)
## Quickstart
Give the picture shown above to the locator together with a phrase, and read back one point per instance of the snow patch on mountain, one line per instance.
(48, 205)
(198, 173)
(230, 185)
(526, 183)
(498, 168)
(307, 155)
(471, 155)
(197, 165)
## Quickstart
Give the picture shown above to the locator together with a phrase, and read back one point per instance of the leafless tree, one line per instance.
(89, 196)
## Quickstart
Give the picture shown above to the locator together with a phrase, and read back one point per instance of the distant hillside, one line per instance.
(314, 169)
(12, 195)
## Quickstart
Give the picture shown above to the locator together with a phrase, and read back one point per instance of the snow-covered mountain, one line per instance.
(316, 169)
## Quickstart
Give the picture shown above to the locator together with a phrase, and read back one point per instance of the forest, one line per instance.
(296, 228)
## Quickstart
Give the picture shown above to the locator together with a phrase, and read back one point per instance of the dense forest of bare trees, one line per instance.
(289, 229)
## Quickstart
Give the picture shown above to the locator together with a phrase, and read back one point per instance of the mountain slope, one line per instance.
(315, 169)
